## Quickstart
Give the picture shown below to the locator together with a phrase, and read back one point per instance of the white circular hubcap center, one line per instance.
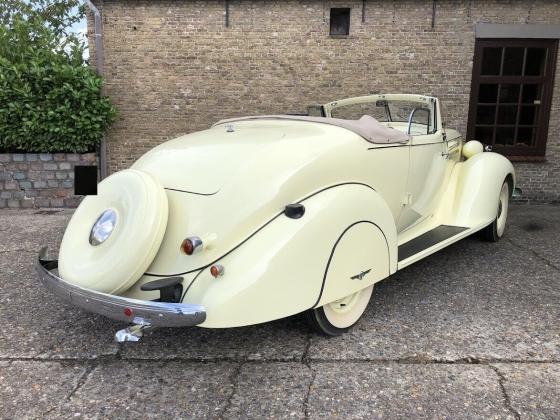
(345, 304)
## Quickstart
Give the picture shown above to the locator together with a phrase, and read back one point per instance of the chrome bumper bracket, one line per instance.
(143, 314)
(132, 333)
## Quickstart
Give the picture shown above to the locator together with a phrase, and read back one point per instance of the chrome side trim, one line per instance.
(135, 311)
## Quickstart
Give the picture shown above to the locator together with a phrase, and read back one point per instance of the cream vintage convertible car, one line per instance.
(260, 218)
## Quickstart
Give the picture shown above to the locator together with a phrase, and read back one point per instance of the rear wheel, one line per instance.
(337, 317)
(494, 231)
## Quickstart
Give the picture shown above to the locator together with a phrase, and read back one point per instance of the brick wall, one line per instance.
(172, 67)
(40, 179)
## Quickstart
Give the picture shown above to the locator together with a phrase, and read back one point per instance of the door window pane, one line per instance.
(488, 93)
(513, 61)
(484, 134)
(530, 93)
(491, 60)
(504, 135)
(527, 115)
(536, 58)
(525, 136)
(507, 114)
(509, 93)
(485, 114)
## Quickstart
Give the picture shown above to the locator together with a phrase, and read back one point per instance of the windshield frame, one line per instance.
(426, 102)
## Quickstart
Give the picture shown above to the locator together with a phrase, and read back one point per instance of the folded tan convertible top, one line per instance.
(367, 126)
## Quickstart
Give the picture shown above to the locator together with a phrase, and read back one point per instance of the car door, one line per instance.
(427, 174)
(427, 170)
(387, 164)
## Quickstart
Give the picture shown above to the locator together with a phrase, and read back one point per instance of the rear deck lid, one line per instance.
(204, 161)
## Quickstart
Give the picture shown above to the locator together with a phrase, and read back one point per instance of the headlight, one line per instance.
(103, 227)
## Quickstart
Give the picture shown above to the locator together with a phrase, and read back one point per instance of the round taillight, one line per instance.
(217, 270)
(187, 247)
(191, 245)
(127, 312)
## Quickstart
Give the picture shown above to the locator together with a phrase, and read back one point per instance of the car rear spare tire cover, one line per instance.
(139, 209)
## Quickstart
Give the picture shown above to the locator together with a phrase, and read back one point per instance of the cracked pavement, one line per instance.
(472, 331)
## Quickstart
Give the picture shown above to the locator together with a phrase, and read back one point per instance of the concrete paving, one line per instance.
(470, 332)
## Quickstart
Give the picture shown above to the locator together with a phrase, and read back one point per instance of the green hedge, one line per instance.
(50, 101)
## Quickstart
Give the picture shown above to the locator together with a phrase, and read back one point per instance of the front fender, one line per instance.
(281, 269)
(478, 183)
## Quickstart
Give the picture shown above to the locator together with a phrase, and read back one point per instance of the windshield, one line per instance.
(397, 111)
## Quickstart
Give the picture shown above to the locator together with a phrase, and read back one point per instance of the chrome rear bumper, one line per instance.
(139, 312)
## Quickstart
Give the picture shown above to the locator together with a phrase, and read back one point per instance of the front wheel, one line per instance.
(494, 231)
(337, 317)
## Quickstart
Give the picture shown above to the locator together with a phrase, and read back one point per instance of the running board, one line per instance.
(430, 239)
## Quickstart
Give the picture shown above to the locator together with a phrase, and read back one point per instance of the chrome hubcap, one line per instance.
(103, 227)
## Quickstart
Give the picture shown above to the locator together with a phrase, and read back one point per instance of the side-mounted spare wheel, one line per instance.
(114, 236)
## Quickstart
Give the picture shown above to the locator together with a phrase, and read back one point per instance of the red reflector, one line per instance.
(127, 312)
(217, 270)
(187, 247)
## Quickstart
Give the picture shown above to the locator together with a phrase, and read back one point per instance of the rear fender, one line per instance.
(281, 269)
(358, 259)
(476, 188)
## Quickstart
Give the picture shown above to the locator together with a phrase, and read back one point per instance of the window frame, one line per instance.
(546, 80)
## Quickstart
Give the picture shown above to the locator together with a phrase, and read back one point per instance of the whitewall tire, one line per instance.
(335, 318)
(494, 231)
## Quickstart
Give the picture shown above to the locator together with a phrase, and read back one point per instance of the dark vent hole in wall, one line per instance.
(85, 180)
(340, 21)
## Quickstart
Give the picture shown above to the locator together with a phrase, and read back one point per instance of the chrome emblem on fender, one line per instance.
(361, 275)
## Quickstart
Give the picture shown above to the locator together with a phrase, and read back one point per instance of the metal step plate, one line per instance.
(427, 240)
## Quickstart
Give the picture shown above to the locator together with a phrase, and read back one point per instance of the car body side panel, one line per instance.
(279, 271)
(272, 177)
(269, 178)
